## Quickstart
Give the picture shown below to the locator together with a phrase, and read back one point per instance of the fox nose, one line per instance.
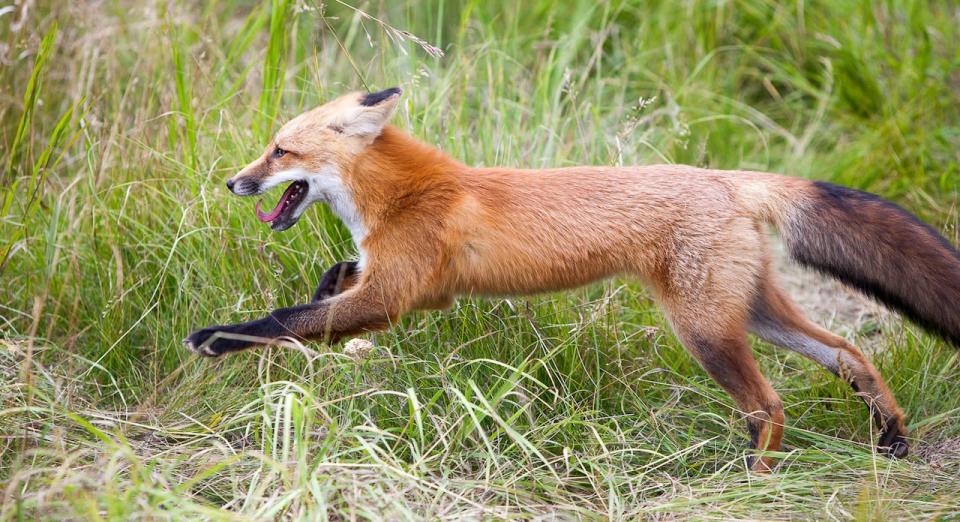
(230, 184)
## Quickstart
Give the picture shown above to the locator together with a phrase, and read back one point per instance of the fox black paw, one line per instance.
(207, 344)
(893, 443)
(331, 283)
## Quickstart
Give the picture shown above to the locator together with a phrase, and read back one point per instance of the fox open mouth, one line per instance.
(282, 216)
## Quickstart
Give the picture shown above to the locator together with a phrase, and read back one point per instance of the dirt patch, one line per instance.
(941, 455)
(826, 301)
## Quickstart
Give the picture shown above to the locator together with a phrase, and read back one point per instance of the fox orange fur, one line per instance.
(429, 229)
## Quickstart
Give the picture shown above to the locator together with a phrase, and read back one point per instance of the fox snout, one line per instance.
(243, 186)
(249, 181)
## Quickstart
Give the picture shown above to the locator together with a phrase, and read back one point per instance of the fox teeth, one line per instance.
(295, 194)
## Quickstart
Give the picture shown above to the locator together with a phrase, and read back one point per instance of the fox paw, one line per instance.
(893, 442)
(204, 342)
(334, 279)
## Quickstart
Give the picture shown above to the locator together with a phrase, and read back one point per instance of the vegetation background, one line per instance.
(120, 120)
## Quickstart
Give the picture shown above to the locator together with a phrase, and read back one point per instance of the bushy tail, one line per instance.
(880, 249)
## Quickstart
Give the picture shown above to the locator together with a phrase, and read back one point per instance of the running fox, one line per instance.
(429, 228)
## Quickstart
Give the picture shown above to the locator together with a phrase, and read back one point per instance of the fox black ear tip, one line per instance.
(373, 98)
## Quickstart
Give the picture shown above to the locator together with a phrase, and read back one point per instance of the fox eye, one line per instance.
(278, 152)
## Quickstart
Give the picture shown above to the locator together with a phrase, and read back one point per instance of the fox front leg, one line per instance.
(355, 311)
(213, 341)
(339, 278)
(216, 340)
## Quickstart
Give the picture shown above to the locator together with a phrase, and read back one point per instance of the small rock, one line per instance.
(358, 348)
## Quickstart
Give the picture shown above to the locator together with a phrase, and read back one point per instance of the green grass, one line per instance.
(119, 122)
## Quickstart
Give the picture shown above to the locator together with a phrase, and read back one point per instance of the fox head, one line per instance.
(311, 152)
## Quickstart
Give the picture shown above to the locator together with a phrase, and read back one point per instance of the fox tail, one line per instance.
(876, 247)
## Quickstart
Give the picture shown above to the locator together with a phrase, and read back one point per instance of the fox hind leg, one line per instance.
(776, 319)
(706, 294)
(720, 346)
(729, 361)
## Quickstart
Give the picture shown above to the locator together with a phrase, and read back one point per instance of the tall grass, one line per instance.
(274, 72)
(26, 166)
(120, 121)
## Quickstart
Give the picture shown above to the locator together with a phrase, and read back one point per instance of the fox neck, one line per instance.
(398, 174)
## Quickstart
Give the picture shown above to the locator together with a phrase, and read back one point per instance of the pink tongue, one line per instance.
(275, 213)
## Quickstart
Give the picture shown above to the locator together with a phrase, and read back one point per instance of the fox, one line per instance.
(429, 229)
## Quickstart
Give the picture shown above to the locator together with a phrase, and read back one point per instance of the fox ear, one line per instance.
(371, 113)
(372, 99)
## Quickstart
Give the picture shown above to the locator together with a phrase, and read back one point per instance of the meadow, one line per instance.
(120, 121)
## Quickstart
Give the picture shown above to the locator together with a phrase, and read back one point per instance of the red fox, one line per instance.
(429, 228)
